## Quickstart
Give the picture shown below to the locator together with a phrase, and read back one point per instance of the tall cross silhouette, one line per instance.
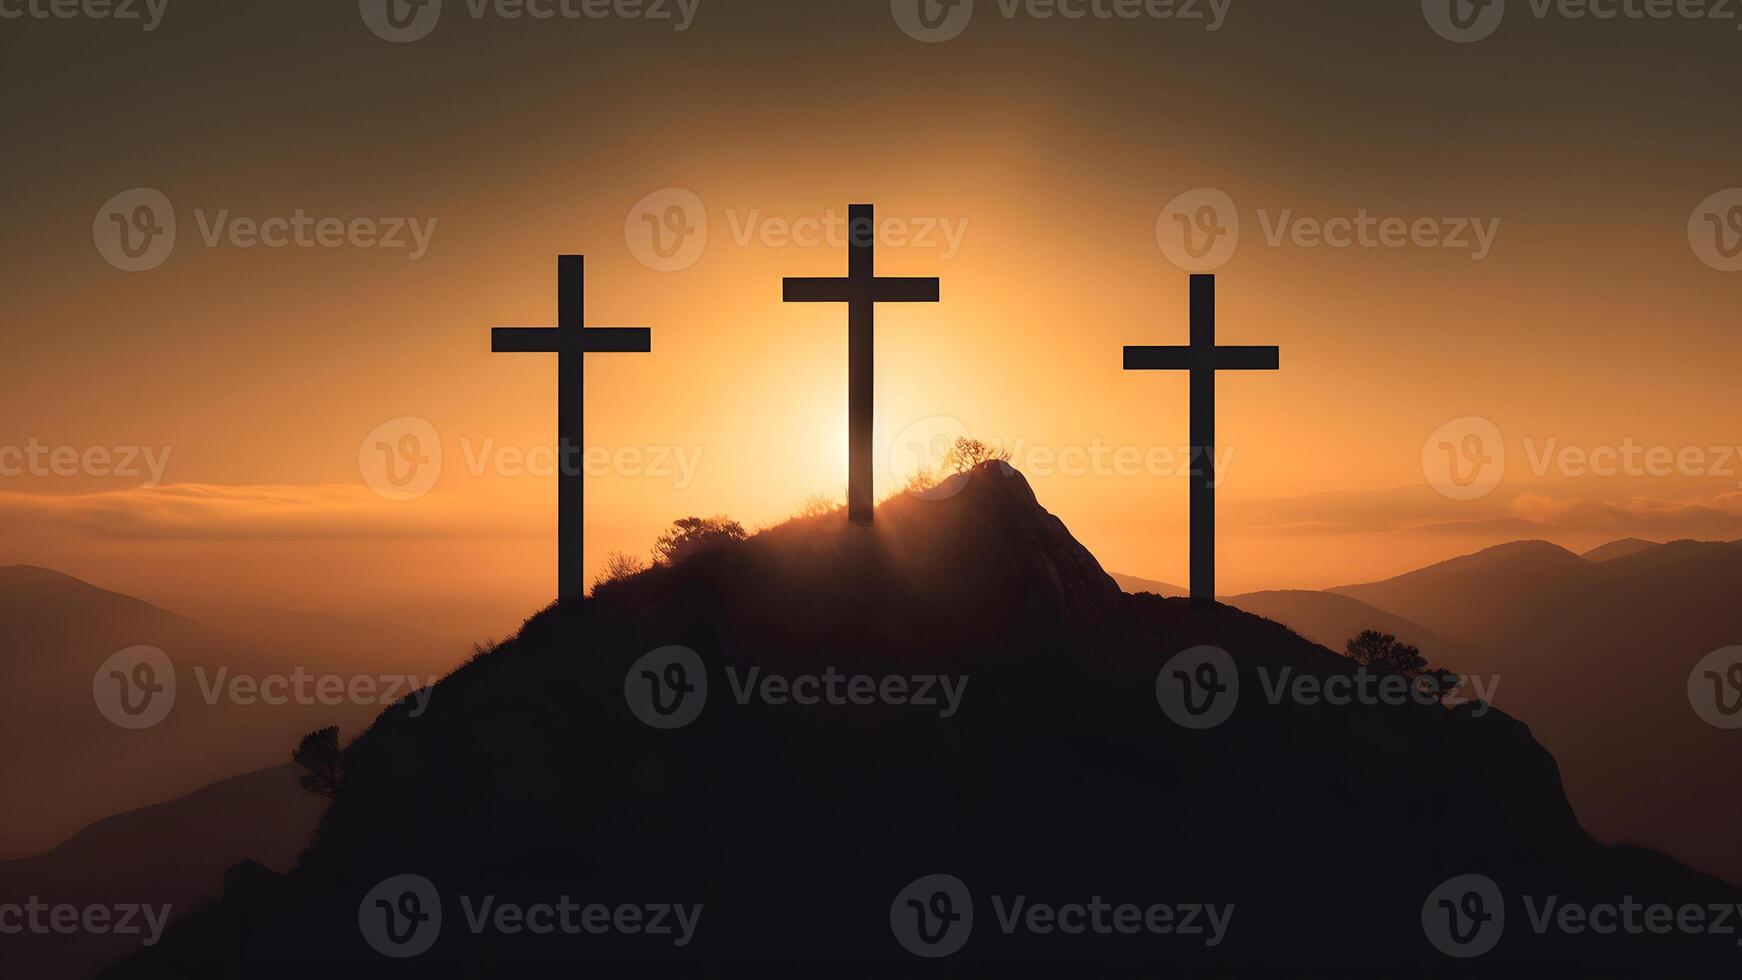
(1203, 359)
(570, 340)
(862, 290)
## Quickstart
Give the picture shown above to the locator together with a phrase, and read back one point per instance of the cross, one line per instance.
(862, 290)
(1203, 359)
(570, 340)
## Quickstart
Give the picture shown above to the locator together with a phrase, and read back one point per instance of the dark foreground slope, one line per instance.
(799, 829)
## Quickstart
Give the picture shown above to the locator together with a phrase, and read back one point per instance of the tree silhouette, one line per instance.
(693, 535)
(618, 565)
(320, 755)
(968, 453)
(1385, 652)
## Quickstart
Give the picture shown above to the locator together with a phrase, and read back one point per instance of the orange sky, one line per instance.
(1050, 148)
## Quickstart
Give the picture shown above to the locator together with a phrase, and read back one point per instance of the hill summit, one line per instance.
(946, 739)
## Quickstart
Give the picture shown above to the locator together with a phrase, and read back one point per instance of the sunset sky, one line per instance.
(1049, 147)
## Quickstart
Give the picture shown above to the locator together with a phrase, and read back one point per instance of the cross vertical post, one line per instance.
(862, 290)
(571, 340)
(1203, 359)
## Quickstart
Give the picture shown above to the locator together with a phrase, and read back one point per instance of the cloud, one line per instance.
(1514, 514)
(200, 512)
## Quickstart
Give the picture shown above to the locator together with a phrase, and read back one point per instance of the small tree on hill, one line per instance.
(693, 535)
(968, 453)
(323, 762)
(1385, 652)
(619, 565)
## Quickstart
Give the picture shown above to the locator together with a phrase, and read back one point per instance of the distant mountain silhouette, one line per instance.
(1059, 778)
(1597, 656)
(1619, 549)
(1138, 586)
(57, 631)
(173, 854)
(1331, 620)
